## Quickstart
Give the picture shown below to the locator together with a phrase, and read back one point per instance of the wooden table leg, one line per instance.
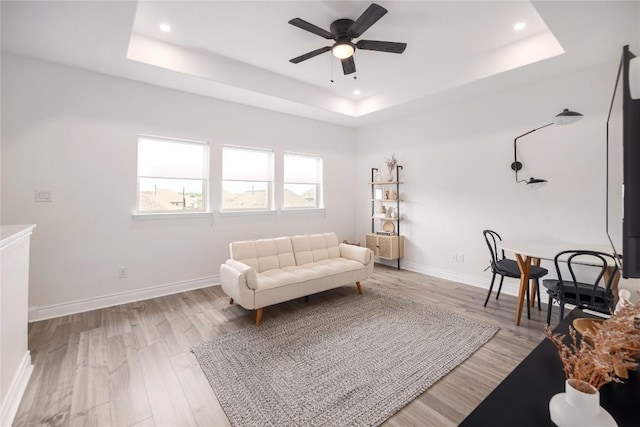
(535, 284)
(525, 267)
(614, 282)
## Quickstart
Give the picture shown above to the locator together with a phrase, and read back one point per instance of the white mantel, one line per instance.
(15, 359)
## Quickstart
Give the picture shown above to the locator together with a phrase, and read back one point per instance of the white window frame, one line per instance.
(205, 208)
(269, 181)
(319, 185)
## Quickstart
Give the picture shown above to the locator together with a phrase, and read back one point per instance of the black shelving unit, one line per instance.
(374, 200)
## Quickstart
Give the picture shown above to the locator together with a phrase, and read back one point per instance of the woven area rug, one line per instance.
(354, 361)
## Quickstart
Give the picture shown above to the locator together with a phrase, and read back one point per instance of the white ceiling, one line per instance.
(239, 50)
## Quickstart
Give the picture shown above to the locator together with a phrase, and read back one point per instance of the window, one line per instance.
(302, 181)
(247, 178)
(172, 175)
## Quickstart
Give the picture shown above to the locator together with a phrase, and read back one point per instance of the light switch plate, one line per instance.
(44, 196)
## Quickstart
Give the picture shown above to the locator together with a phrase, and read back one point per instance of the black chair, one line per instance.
(583, 294)
(509, 268)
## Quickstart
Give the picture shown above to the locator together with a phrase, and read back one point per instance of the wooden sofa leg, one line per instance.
(359, 287)
(230, 300)
(259, 316)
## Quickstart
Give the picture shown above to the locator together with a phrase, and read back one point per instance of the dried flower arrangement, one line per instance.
(609, 346)
(391, 163)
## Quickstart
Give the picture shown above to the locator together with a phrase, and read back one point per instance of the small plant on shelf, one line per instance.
(391, 163)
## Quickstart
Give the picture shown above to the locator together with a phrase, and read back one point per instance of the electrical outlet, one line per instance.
(44, 196)
(461, 257)
(454, 257)
(122, 273)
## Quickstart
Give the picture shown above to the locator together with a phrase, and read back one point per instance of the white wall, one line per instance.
(458, 178)
(75, 133)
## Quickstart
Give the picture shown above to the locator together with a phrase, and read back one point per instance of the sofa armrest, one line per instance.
(357, 253)
(242, 272)
(234, 284)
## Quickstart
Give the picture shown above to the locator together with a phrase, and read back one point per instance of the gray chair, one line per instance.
(499, 264)
(595, 295)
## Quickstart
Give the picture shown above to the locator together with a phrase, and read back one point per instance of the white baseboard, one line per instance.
(16, 389)
(80, 306)
(509, 288)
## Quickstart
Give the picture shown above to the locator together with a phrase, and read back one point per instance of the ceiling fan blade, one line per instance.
(390, 47)
(310, 55)
(304, 25)
(366, 20)
(348, 65)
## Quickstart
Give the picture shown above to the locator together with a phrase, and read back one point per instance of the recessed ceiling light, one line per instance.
(356, 92)
(520, 26)
(165, 27)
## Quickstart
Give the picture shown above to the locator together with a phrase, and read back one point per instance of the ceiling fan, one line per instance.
(343, 31)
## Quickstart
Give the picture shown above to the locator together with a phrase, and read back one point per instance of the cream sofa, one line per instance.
(269, 271)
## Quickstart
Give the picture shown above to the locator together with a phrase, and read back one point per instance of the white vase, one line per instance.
(388, 177)
(575, 408)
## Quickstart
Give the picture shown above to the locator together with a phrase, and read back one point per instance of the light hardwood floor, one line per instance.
(130, 365)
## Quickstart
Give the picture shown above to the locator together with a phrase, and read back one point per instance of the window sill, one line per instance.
(171, 215)
(247, 213)
(304, 211)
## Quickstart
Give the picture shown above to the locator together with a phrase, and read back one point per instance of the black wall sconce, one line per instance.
(565, 118)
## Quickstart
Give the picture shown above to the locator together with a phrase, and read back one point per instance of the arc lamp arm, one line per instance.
(516, 166)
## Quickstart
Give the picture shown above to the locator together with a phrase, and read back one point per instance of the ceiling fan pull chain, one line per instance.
(331, 67)
(355, 74)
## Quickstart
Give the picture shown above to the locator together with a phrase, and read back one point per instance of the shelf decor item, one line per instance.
(579, 406)
(389, 227)
(604, 354)
(391, 164)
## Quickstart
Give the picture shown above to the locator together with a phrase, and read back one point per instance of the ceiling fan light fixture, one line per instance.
(343, 31)
(343, 49)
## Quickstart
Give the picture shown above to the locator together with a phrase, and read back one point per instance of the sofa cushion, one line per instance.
(309, 272)
(245, 252)
(285, 252)
(264, 254)
(332, 245)
(302, 249)
(289, 275)
(315, 247)
(319, 250)
(267, 255)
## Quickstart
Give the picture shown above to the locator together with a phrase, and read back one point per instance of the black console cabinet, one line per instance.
(522, 398)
